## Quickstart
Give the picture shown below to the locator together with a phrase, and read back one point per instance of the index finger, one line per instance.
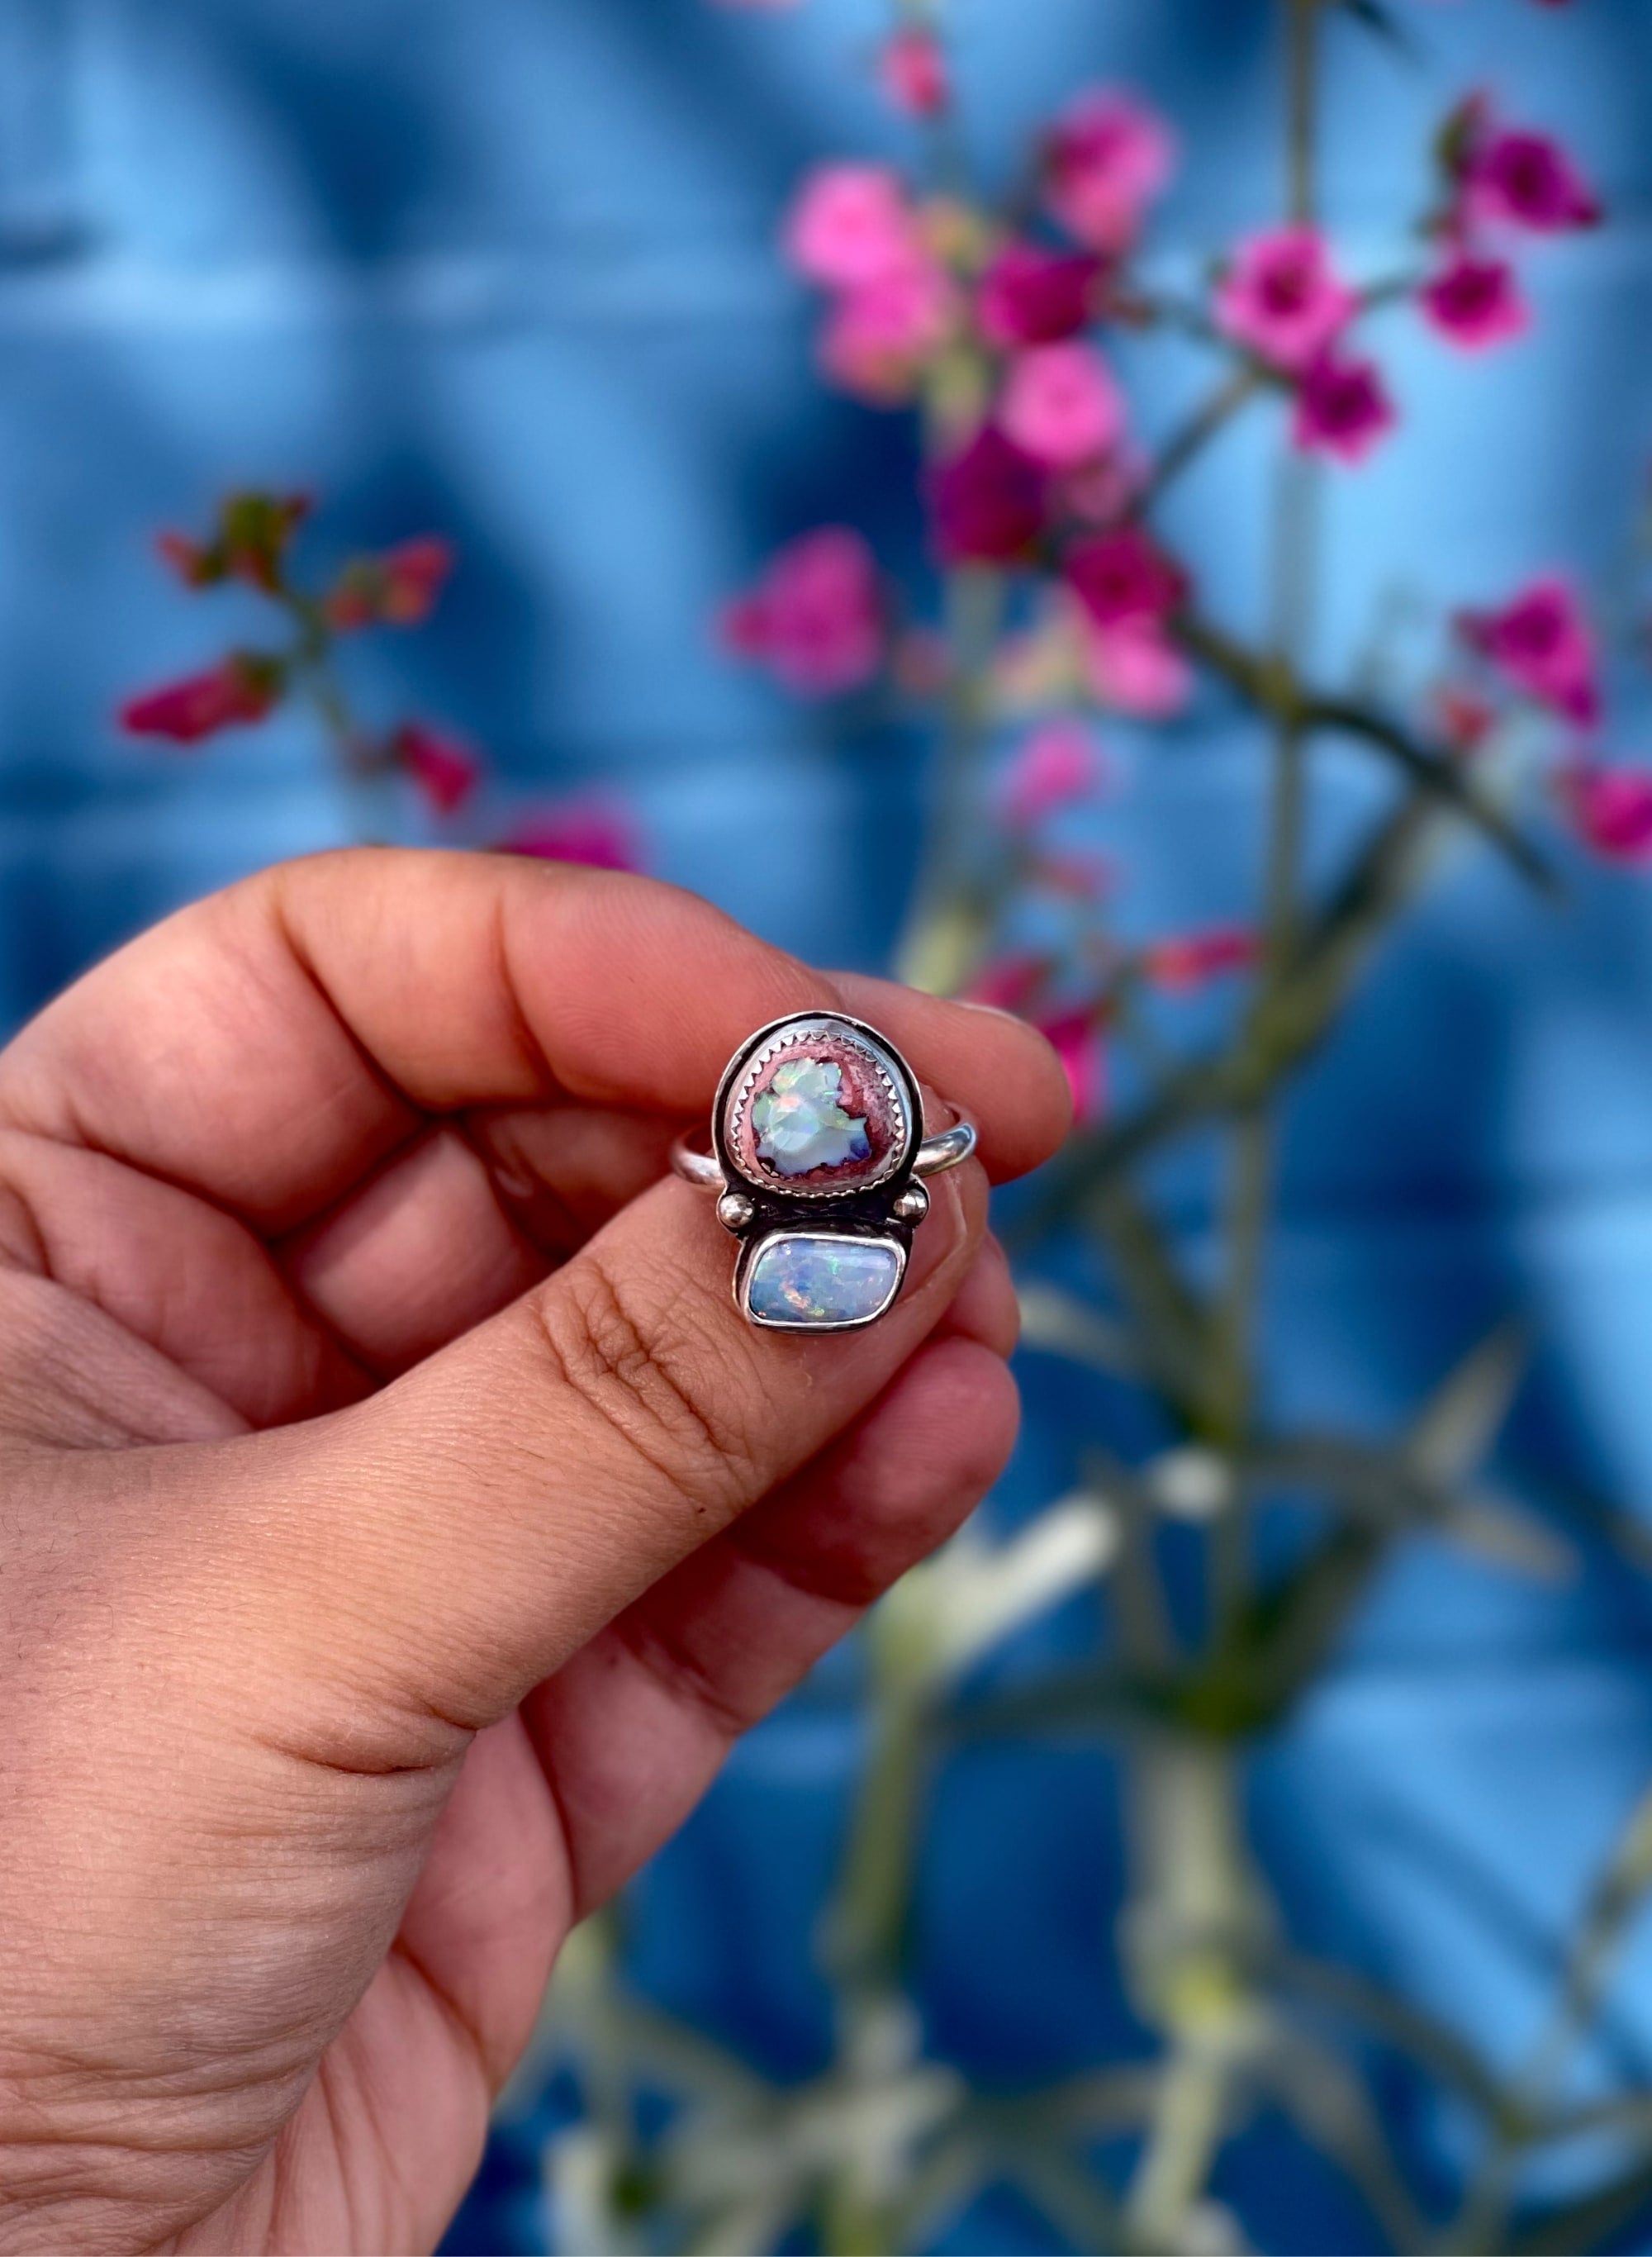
(272, 1044)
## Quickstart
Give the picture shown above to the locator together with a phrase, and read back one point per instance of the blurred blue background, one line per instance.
(503, 269)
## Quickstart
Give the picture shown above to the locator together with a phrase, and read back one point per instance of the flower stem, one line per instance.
(359, 774)
(950, 919)
(1301, 99)
(1189, 440)
(1190, 1933)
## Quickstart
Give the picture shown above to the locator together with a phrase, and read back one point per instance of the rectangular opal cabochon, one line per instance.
(804, 1281)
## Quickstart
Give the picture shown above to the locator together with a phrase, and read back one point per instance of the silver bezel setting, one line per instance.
(794, 1032)
(755, 1250)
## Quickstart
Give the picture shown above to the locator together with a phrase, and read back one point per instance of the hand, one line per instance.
(399, 1521)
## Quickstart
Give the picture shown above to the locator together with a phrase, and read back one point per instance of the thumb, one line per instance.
(438, 1550)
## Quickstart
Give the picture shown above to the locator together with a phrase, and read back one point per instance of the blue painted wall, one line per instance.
(504, 268)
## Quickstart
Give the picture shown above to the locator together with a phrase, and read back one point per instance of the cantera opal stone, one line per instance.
(800, 1123)
(822, 1281)
(821, 1109)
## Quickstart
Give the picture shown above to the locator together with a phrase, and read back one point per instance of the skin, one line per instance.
(398, 1522)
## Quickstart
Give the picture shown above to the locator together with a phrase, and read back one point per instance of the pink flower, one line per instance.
(397, 589)
(589, 831)
(912, 70)
(1123, 578)
(1133, 667)
(1541, 642)
(1106, 157)
(816, 617)
(1053, 766)
(1525, 180)
(243, 687)
(1102, 491)
(1611, 809)
(415, 575)
(879, 334)
(1076, 1042)
(1060, 406)
(850, 225)
(1343, 409)
(1475, 302)
(1034, 297)
(1281, 296)
(987, 501)
(1189, 961)
(445, 771)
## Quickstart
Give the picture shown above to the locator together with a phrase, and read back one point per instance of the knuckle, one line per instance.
(654, 1385)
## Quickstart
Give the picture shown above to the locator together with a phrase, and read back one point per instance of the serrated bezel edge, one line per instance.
(900, 1151)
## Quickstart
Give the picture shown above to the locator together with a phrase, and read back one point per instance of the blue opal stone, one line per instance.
(822, 1281)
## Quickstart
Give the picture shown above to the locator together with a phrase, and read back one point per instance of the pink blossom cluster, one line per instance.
(1105, 160)
(1541, 642)
(1044, 474)
(1502, 182)
(1540, 648)
(855, 232)
(1281, 297)
(1057, 766)
(1004, 327)
(816, 617)
(251, 542)
(908, 284)
(1038, 988)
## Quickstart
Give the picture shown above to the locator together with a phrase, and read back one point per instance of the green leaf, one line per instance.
(1291, 1631)
(1456, 1428)
(1363, 1481)
(1507, 1536)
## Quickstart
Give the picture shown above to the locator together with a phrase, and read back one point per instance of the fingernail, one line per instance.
(993, 1010)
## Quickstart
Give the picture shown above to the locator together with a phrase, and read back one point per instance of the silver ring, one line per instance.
(817, 1156)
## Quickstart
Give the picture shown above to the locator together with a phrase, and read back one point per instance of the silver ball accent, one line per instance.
(735, 1210)
(912, 1203)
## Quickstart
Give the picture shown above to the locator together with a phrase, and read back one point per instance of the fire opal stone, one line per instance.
(822, 1281)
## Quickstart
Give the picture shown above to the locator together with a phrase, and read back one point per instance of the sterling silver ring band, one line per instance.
(950, 1149)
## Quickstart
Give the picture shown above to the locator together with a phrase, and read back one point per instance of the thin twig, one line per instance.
(1274, 687)
(1190, 439)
